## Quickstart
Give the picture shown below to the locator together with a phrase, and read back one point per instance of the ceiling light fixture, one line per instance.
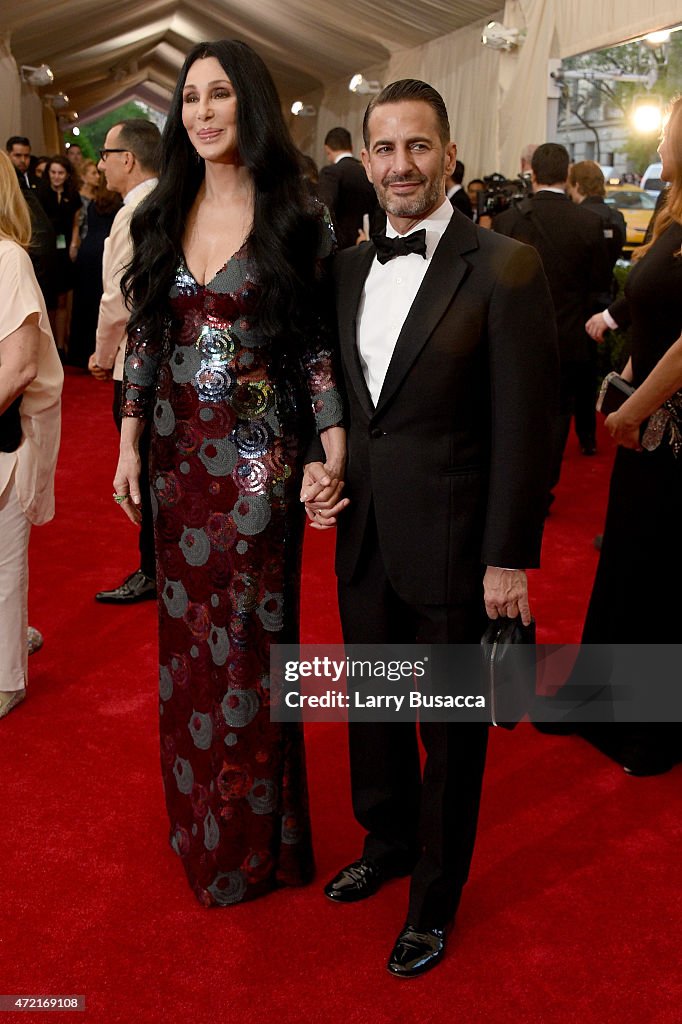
(364, 86)
(42, 75)
(300, 109)
(498, 37)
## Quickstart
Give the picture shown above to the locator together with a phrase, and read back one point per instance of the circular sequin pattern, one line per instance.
(219, 456)
(239, 707)
(215, 345)
(184, 776)
(185, 364)
(164, 418)
(251, 476)
(251, 399)
(228, 888)
(211, 832)
(201, 730)
(251, 514)
(271, 612)
(195, 546)
(165, 683)
(219, 644)
(263, 796)
(221, 531)
(252, 439)
(175, 598)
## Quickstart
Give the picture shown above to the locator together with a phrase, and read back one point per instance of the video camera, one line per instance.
(501, 192)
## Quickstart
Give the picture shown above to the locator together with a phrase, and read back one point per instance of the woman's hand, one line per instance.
(321, 491)
(127, 483)
(624, 429)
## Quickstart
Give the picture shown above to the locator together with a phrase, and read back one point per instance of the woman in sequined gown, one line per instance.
(229, 353)
(635, 598)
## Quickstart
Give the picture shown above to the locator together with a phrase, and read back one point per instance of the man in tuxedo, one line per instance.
(449, 359)
(344, 189)
(571, 245)
(19, 151)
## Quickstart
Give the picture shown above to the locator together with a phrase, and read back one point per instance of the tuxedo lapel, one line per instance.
(446, 272)
(351, 282)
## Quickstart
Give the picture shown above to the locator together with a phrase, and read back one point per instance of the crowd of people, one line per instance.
(412, 392)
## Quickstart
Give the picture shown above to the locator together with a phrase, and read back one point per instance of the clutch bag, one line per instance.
(509, 667)
(613, 392)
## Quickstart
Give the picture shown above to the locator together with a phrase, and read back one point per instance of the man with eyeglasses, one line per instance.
(128, 160)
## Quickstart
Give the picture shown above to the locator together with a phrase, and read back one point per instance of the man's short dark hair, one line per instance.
(143, 139)
(410, 89)
(16, 140)
(550, 163)
(339, 140)
(458, 173)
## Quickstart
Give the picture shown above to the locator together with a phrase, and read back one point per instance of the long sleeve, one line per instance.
(113, 314)
(317, 359)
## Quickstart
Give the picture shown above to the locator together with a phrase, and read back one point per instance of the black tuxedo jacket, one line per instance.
(459, 200)
(346, 191)
(573, 251)
(455, 457)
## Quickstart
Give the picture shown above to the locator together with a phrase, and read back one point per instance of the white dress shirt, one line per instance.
(390, 290)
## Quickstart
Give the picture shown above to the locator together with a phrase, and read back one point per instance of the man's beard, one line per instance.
(410, 206)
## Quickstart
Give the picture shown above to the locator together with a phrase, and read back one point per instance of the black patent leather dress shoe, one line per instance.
(416, 951)
(355, 882)
(137, 587)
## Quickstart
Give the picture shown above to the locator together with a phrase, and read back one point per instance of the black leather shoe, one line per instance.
(416, 952)
(355, 882)
(138, 587)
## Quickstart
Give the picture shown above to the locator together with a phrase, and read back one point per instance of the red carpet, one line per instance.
(572, 913)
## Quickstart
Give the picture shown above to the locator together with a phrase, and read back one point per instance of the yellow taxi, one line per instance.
(637, 206)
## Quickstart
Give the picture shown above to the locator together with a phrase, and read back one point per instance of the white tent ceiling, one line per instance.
(101, 50)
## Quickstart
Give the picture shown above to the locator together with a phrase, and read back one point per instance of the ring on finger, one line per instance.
(120, 498)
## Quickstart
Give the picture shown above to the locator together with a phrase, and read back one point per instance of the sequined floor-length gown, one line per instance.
(231, 421)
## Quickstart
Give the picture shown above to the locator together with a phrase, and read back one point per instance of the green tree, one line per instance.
(93, 133)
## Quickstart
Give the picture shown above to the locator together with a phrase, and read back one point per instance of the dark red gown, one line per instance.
(232, 417)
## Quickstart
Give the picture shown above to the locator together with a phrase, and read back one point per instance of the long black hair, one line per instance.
(284, 238)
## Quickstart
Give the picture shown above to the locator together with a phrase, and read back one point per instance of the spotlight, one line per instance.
(58, 101)
(498, 37)
(299, 109)
(364, 86)
(42, 75)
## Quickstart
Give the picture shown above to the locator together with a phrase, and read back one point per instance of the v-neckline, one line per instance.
(218, 271)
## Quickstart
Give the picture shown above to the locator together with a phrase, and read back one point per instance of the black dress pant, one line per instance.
(426, 824)
(146, 538)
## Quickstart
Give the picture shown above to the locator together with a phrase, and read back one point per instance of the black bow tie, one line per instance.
(402, 245)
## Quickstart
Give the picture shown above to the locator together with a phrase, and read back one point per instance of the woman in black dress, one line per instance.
(61, 202)
(229, 355)
(636, 591)
(87, 287)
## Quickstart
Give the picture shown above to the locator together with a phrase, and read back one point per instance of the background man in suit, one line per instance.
(344, 189)
(586, 187)
(570, 241)
(43, 248)
(455, 191)
(129, 163)
(450, 369)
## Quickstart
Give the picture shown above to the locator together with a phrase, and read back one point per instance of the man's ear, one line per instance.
(364, 156)
(450, 158)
